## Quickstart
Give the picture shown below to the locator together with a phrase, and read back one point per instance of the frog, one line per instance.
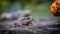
(25, 20)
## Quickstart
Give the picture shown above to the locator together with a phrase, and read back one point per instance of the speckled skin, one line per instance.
(55, 8)
(24, 21)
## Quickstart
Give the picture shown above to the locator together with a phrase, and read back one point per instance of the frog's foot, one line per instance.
(16, 25)
(30, 24)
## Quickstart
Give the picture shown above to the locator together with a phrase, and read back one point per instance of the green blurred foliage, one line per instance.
(3, 5)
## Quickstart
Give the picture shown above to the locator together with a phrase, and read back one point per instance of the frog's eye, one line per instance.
(28, 18)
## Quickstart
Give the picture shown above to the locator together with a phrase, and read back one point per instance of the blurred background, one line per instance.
(39, 8)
